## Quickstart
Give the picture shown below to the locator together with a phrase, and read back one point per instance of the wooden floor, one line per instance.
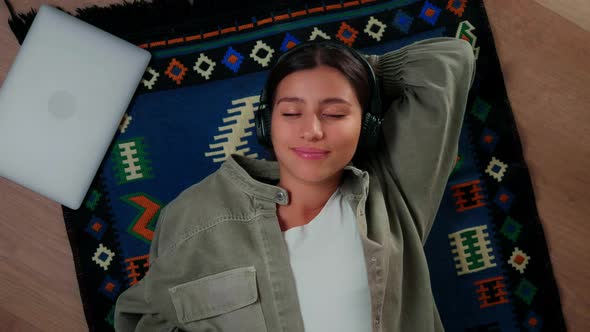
(544, 49)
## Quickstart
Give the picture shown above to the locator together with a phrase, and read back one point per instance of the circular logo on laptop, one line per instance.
(62, 104)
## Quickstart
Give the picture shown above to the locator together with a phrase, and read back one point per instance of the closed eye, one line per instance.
(334, 116)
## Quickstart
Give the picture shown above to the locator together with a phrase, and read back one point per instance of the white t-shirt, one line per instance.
(329, 267)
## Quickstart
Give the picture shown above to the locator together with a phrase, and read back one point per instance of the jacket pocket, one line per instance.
(225, 301)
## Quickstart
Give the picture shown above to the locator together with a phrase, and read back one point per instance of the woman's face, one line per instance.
(316, 124)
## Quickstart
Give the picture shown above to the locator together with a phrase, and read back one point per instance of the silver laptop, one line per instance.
(61, 104)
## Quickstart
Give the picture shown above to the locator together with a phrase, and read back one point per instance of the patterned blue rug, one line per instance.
(489, 263)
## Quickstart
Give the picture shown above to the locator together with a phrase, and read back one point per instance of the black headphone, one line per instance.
(372, 117)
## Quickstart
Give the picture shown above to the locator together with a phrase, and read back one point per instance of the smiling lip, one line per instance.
(311, 153)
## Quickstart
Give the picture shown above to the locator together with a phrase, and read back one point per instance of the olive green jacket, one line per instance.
(218, 260)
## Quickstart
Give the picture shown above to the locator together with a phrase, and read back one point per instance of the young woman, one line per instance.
(312, 242)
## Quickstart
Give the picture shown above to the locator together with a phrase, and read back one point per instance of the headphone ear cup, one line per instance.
(371, 127)
(266, 117)
(362, 146)
(262, 120)
(374, 118)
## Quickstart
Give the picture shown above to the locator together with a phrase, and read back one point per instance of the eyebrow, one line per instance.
(332, 100)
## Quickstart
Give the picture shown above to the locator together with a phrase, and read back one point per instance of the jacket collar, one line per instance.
(251, 174)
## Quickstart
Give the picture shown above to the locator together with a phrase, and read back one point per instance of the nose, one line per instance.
(311, 128)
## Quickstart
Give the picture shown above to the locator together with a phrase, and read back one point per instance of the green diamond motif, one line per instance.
(458, 164)
(93, 199)
(526, 291)
(480, 109)
(110, 318)
(511, 229)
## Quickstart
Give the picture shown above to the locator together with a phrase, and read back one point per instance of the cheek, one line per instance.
(343, 138)
(350, 133)
(279, 130)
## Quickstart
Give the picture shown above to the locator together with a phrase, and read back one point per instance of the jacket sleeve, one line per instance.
(426, 84)
(133, 310)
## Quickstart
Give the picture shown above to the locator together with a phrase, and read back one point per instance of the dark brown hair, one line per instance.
(314, 55)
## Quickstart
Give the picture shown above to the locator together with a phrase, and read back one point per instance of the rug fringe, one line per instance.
(138, 21)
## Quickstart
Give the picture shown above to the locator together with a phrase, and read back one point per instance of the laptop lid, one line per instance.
(61, 103)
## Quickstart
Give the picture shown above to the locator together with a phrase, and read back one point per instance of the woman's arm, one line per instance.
(427, 83)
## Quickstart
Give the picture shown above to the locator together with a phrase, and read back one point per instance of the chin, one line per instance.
(313, 172)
